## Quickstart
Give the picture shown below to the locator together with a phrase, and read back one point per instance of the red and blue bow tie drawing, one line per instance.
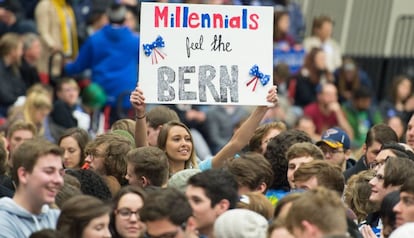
(154, 47)
(264, 78)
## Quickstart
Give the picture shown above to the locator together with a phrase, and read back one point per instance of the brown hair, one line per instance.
(304, 149)
(124, 124)
(357, 192)
(397, 170)
(81, 137)
(20, 125)
(251, 170)
(320, 207)
(328, 175)
(150, 162)
(256, 140)
(117, 147)
(256, 202)
(319, 21)
(77, 212)
(160, 115)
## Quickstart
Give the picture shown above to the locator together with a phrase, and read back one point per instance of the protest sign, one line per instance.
(206, 54)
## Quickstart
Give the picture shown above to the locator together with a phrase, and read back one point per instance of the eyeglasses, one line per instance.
(172, 234)
(126, 213)
(94, 154)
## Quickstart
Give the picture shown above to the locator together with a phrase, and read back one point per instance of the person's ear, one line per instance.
(262, 187)
(222, 206)
(310, 230)
(191, 227)
(22, 175)
(144, 181)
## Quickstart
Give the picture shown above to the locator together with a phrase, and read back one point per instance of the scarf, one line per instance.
(68, 36)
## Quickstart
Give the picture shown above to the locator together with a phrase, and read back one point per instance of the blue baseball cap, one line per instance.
(335, 138)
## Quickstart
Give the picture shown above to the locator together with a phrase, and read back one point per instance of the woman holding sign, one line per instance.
(175, 138)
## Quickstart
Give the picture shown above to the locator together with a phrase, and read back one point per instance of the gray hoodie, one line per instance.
(17, 222)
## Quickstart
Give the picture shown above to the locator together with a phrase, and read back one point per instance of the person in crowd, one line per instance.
(326, 112)
(409, 134)
(91, 183)
(4, 191)
(307, 125)
(391, 149)
(389, 177)
(74, 141)
(162, 221)
(147, 166)
(56, 24)
(252, 172)
(180, 179)
(376, 137)
(32, 50)
(84, 216)
(277, 230)
(326, 219)
(398, 125)
(281, 36)
(298, 154)
(210, 197)
(322, 37)
(71, 188)
(38, 175)
(112, 54)
(361, 114)
(36, 110)
(302, 88)
(178, 135)
(125, 218)
(387, 217)
(240, 223)
(106, 156)
(17, 133)
(348, 78)
(357, 192)
(404, 211)
(276, 155)
(395, 104)
(67, 111)
(12, 85)
(263, 134)
(336, 146)
(11, 19)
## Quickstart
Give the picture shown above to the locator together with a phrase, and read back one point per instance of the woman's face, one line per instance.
(320, 60)
(283, 23)
(404, 89)
(127, 222)
(97, 228)
(72, 155)
(179, 145)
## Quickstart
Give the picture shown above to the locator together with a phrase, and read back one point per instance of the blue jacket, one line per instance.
(112, 55)
(16, 222)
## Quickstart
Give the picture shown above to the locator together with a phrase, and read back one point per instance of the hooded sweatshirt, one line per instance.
(17, 222)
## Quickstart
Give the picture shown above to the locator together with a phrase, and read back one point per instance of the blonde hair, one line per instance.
(257, 202)
(34, 102)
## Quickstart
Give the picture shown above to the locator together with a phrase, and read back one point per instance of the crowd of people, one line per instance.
(83, 155)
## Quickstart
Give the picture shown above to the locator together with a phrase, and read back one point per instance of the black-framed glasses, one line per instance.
(376, 165)
(126, 213)
(94, 154)
(170, 234)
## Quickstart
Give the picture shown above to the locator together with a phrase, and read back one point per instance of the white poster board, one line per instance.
(206, 54)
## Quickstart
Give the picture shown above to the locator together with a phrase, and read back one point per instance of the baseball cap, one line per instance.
(335, 138)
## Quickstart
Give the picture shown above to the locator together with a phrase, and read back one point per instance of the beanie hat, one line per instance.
(179, 180)
(240, 223)
(125, 134)
(116, 13)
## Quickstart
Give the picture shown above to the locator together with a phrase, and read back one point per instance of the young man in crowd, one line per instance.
(210, 194)
(317, 213)
(336, 147)
(404, 211)
(147, 166)
(167, 213)
(38, 174)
